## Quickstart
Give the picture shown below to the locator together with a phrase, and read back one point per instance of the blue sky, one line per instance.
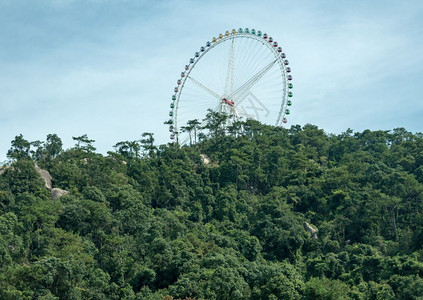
(108, 68)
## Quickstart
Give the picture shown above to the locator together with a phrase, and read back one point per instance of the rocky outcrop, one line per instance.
(310, 229)
(45, 175)
(205, 159)
(56, 193)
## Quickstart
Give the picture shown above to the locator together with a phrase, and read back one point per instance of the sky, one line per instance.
(108, 68)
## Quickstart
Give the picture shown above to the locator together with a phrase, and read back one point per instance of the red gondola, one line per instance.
(229, 102)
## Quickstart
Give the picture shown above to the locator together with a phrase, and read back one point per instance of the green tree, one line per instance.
(128, 149)
(326, 289)
(20, 149)
(53, 145)
(84, 143)
(147, 143)
(214, 122)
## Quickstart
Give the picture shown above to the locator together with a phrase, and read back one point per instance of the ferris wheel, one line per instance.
(243, 73)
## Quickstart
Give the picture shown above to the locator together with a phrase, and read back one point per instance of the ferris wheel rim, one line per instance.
(264, 39)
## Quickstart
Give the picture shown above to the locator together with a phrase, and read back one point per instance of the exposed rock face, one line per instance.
(57, 193)
(311, 230)
(205, 159)
(45, 175)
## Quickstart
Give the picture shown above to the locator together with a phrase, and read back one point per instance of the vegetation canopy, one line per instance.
(248, 212)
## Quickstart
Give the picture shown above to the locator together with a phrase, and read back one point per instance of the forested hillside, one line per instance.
(233, 216)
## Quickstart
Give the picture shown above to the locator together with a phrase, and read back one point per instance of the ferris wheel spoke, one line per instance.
(262, 106)
(243, 90)
(229, 84)
(204, 87)
(253, 104)
(241, 111)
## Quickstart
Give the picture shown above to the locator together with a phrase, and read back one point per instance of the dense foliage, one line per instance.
(148, 222)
